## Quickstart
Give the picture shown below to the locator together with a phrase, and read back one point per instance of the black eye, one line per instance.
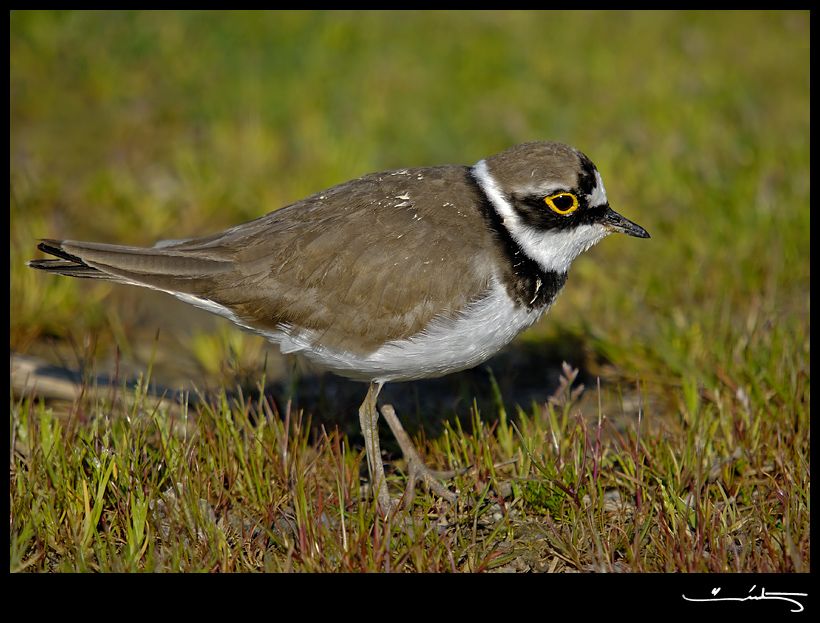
(562, 203)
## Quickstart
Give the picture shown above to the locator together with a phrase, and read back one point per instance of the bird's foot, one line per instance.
(417, 470)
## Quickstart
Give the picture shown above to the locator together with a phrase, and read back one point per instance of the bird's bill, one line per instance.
(616, 222)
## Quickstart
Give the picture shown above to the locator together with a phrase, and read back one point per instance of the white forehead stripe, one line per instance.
(551, 250)
(598, 195)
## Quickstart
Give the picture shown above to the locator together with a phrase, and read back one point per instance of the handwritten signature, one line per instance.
(763, 596)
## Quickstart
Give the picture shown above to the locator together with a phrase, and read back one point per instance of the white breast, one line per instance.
(446, 345)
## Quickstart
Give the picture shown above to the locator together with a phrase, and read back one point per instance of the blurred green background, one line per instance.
(135, 126)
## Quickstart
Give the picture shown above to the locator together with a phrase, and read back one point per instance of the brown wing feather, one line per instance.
(320, 263)
(405, 247)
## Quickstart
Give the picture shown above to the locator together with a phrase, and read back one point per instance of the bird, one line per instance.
(394, 276)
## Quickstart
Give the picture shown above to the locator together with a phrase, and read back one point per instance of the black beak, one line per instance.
(614, 221)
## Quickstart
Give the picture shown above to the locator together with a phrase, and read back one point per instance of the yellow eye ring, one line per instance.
(562, 203)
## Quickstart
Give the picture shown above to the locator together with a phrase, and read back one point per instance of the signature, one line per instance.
(763, 596)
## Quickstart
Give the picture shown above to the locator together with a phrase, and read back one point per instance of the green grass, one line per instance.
(245, 487)
(693, 455)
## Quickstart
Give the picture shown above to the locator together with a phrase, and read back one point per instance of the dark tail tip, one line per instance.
(67, 264)
(55, 247)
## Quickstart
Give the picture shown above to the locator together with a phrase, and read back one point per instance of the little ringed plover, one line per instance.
(400, 275)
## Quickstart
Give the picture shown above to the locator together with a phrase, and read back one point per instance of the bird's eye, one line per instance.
(562, 203)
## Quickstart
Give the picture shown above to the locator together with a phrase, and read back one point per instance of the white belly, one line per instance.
(445, 346)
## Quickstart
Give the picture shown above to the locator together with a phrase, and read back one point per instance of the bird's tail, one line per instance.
(68, 265)
(162, 268)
